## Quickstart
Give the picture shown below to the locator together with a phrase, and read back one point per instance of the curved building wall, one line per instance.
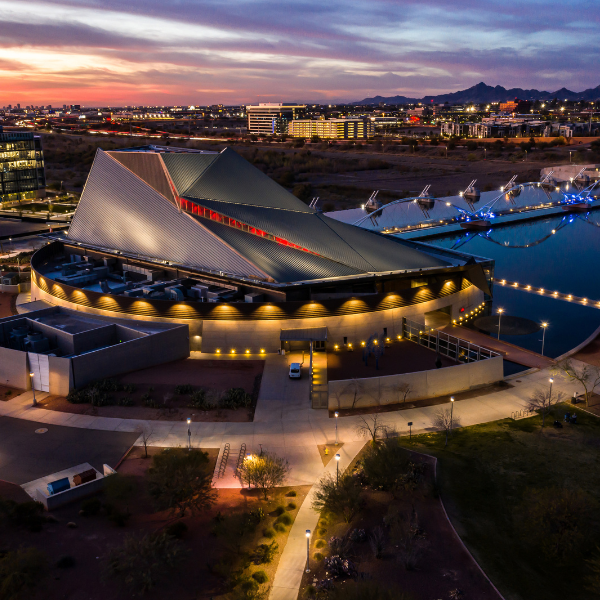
(242, 326)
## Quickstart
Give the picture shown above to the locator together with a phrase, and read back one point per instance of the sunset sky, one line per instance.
(109, 52)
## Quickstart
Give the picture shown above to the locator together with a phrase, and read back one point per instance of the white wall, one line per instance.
(379, 391)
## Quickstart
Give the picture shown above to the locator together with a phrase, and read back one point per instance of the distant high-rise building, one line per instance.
(341, 129)
(268, 118)
(21, 167)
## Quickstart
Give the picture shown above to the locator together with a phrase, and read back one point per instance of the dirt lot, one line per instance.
(8, 305)
(399, 357)
(93, 537)
(444, 567)
(158, 384)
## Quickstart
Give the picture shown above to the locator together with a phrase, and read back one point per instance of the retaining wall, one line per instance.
(379, 391)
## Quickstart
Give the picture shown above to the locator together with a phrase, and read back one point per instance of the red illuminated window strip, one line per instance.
(201, 211)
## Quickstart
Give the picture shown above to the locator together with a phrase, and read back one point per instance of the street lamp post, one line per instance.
(307, 549)
(451, 411)
(544, 326)
(484, 153)
(337, 466)
(409, 431)
(500, 311)
(551, 380)
(189, 421)
(33, 389)
(337, 414)
(570, 155)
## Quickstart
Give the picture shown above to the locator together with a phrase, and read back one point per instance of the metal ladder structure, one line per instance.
(240, 460)
(223, 463)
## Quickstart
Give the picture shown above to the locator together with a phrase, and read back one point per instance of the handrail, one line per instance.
(444, 343)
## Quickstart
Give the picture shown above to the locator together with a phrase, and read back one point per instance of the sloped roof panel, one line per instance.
(283, 263)
(146, 166)
(233, 179)
(118, 210)
(184, 168)
(304, 229)
(384, 253)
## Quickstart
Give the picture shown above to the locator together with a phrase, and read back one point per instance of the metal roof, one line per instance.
(119, 211)
(282, 263)
(231, 178)
(185, 169)
(148, 167)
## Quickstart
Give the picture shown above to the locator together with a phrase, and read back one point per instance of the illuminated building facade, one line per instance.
(21, 167)
(332, 129)
(272, 118)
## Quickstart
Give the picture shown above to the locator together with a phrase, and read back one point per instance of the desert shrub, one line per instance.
(344, 499)
(235, 398)
(141, 562)
(29, 514)
(180, 480)
(322, 530)
(265, 553)
(257, 515)
(184, 390)
(292, 493)
(106, 386)
(177, 529)
(338, 567)
(20, 572)
(260, 576)
(91, 506)
(279, 527)
(279, 510)
(125, 402)
(320, 543)
(318, 556)
(341, 547)
(269, 532)
(291, 506)
(358, 536)
(77, 397)
(65, 562)
(129, 388)
(378, 542)
(471, 146)
(285, 519)
(200, 401)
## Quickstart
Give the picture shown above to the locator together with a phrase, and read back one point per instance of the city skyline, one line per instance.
(99, 53)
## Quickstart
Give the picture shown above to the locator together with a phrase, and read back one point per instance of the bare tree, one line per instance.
(401, 390)
(145, 434)
(542, 400)
(587, 375)
(371, 426)
(356, 388)
(444, 419)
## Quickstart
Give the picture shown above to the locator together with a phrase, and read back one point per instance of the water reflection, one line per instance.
(530, 253)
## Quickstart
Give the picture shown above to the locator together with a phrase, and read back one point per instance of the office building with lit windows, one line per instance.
(272, 118)
(21, 167)
(332, 129)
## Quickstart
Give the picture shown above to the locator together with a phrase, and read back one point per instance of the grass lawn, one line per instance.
(483, 475)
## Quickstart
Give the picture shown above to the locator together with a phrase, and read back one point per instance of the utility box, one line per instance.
(84, 477)
(60, 485)
(254, 297)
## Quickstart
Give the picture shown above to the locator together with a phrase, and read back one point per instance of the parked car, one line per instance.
(295, 371)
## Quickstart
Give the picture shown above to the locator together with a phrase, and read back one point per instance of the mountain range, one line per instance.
(482, 93)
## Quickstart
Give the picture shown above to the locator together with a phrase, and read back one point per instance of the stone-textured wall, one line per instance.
(378, 391)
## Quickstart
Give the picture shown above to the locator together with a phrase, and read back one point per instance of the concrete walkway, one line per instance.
(515, 354)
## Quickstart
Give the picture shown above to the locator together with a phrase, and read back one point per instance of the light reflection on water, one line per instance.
(565, 261)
